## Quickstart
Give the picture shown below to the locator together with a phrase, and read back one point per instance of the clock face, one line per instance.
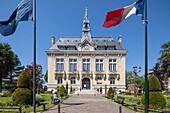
(86, 47)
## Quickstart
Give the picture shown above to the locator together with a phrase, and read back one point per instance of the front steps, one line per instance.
(85, 91)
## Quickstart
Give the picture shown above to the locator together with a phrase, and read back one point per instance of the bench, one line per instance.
(120, 99)
(12, 107)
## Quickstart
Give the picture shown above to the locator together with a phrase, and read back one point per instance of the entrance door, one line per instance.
(86, 83)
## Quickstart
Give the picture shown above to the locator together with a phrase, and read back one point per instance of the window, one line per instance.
(101, 48)
(60, 64)
(99, 64)
(73, 80)
(73, 65)
(86, 64)
(112, 80)
(112, 64)
(71, 48)
(111, 48)
(60, 80)
(62, 48)
(99, 80)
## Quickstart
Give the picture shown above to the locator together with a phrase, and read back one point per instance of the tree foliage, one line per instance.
(8, 61)
(162, 67)
(39, 76)
(156, 98)
(165, 58)
(23, 94)
(110, 93)
(66, 88)
(154, 84)
(62, 91)
(23, 80)
(134, 78)
(46, 76)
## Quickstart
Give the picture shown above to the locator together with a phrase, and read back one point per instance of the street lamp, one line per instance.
(135, 71)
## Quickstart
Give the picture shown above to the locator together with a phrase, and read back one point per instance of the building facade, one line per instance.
(86, 62)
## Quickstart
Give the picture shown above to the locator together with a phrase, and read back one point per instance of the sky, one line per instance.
(65, 18)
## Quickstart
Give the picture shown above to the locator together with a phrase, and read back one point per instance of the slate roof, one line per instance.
(98, 41)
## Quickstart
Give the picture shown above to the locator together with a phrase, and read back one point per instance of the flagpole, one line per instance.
(34, 64)
(146, 58)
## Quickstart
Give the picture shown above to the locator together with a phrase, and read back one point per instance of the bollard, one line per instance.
(59, 108)
(120, 109)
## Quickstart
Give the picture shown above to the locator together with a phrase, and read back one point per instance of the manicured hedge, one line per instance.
(156, 97)
(22, 96)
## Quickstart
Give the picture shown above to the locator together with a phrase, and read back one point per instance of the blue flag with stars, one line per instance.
(22, 13)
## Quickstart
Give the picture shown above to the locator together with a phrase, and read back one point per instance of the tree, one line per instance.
(39, 76)
(23, 94)
(165, 59)
(156, 98)
(46, 76)
(62, 91)
(162, 67)
(135, 79)
(8, 61)
(157, 71)
(66, 88)
(110, 93)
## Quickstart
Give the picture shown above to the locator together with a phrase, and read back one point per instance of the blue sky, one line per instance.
(65, 18)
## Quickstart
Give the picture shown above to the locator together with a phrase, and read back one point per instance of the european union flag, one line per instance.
(22, 13)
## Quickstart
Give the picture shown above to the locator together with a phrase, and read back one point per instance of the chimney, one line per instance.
(52, 40)
(120, 40)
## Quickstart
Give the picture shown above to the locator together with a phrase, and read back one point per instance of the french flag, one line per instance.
(114, 17)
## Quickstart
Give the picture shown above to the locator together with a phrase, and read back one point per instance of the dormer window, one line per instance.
(111, 48)
(71, 48)
(101, 48)
(62, 48)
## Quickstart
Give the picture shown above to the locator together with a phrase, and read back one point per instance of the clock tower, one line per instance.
(86, 41)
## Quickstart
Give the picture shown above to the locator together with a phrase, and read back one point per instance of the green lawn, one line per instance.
(26, 109)
(130, 99)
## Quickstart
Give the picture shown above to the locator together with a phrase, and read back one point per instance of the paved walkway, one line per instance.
(88, 104)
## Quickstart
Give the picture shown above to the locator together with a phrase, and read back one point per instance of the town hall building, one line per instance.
(86, 62)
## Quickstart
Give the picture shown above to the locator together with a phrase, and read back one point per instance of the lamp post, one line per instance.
(135, 71)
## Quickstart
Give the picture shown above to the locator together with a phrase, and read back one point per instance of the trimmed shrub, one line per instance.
(71, 90)
(62, 91)
(156, 98)
(39, 99)
(105, 89)
(67, 88)
(23, 80)
(110, 93)
(154, 84)
(22, 96)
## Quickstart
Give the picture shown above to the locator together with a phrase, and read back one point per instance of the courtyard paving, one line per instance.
(88, 104)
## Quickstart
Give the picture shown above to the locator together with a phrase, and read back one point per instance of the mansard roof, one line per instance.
(75, 41)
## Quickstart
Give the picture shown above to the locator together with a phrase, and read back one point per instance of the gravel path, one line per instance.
(88, 104)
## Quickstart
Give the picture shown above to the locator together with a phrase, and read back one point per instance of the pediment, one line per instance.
(86, 46)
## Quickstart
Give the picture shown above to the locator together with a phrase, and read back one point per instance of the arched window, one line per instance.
(99, 80)
(112, 80)
(73, 80)
(60, 80)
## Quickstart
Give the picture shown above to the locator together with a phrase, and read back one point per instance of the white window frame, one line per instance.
(113, 62)
(61, 61)
(72, 62)
(86, 62)
(99, 62)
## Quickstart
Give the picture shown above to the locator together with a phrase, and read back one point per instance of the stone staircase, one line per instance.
(92, 92)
